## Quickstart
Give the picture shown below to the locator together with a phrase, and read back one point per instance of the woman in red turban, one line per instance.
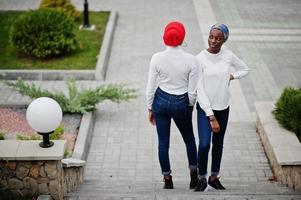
(171, 94)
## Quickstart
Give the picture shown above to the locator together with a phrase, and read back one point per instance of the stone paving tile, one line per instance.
(152, 190)
(273, 54)
(258, 13)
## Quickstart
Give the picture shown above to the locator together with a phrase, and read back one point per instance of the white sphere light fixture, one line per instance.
(44, 115)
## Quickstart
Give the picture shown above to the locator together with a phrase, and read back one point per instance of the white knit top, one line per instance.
(175, 72)
(215, 69)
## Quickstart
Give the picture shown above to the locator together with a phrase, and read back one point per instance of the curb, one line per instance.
(44, 197)
(84, 136)
(97, 74)
(281, 146)
(104, 55)
(47, 75)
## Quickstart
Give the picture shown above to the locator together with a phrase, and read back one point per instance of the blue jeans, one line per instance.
(166, 107)
(204, 130)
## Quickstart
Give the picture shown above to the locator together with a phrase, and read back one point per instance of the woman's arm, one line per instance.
(151, 83)
(241, 69)
(192, 82)
(202, 97)
(204, 102)
(151, 89)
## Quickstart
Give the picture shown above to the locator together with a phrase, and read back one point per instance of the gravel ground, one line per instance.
(13, 122)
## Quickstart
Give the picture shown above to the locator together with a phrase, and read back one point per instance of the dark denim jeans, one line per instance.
(166, 107)
(204, 130)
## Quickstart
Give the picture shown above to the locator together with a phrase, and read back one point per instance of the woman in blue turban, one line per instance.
(213, 102)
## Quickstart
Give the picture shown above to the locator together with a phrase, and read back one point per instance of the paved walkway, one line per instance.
(122, 161)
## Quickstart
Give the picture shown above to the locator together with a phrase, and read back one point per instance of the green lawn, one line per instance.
(84, 58)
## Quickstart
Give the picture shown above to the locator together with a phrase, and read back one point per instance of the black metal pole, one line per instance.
(46, 142)
(86, 15)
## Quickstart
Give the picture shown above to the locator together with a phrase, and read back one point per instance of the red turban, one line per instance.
(174, 34)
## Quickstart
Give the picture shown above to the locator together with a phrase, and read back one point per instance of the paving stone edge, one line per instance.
(104, 55)
(84, 136)
(282, 147)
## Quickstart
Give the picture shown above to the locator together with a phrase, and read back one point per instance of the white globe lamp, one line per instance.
(44, 115)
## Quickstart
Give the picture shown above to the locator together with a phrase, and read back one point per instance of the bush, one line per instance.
(288, 110)
(77, 101)
(64, 6)
(2, 136)
(28, 137)
(43, 33)
(56, 135)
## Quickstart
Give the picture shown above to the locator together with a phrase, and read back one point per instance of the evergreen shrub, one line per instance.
(288, 110)
(77, 101)
(64, 6)
(43, 33)
(2, 137)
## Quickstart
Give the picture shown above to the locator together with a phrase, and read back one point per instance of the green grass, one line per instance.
(84, 58)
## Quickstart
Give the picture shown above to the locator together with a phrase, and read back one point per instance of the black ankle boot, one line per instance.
(168, 184)
(202, 185)
(193, 179)
(215, 183)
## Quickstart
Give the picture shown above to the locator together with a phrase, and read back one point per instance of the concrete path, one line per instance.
(122, 161)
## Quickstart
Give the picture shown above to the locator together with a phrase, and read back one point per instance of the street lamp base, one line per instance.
(88, 28)
(43, 145)
(46, 142)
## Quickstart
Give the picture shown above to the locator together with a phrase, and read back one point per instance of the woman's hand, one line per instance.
(230, 79)
(151, 117)
(214, 124)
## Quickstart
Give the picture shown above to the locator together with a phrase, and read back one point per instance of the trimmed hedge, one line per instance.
(43, 33)
(288, 110)
(64, 6)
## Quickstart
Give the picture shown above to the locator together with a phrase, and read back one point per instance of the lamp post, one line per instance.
(86, 15)
(86, 24)
(44, 115)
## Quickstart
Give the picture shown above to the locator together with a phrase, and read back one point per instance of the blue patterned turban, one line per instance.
(223, 28)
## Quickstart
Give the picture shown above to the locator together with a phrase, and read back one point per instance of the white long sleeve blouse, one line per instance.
(175, 72)
(214, 78)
